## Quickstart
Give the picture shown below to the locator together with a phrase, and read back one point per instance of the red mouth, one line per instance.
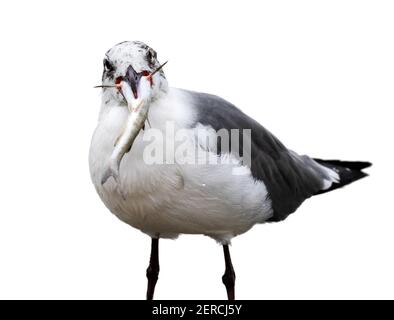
(118, 80)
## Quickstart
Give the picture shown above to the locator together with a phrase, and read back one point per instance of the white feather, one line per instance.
(171, 199)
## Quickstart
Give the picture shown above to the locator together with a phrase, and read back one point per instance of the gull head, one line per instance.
(129, 74)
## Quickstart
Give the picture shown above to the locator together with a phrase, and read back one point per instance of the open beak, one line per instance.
(132, 78)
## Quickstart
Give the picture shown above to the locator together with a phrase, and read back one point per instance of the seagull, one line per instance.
(217, 191)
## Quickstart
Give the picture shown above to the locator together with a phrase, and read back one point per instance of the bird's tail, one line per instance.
(348, 171)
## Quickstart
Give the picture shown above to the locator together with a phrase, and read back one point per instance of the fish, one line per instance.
(138, 113)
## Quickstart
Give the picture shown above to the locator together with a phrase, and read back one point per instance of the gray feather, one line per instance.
(289, 178)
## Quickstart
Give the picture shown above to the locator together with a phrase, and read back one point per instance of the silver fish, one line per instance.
(135, 122)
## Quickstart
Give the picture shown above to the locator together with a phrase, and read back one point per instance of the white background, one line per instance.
(318, 74)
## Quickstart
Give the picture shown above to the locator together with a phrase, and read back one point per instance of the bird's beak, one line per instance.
(132, 79)
(129, 84)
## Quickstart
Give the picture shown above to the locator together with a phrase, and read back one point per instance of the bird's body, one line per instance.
(164, 189)
(170, 199)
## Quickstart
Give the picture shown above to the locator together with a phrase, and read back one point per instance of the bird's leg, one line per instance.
(152, 273)
(229, 274)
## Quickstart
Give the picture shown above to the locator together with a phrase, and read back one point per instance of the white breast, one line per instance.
(171, 199)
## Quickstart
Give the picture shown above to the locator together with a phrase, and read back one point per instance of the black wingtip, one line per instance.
(348, 171)
(354, 165)
(365, 165)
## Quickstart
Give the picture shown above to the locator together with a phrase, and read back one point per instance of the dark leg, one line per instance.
(152, 273)
(229, 275)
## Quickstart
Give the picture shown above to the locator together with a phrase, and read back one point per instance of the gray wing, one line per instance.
(289, 178)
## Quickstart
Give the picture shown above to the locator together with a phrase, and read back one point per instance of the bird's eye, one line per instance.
(151, 56)
(108, 67)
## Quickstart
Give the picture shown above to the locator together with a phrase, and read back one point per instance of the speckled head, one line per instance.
(129, 55)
